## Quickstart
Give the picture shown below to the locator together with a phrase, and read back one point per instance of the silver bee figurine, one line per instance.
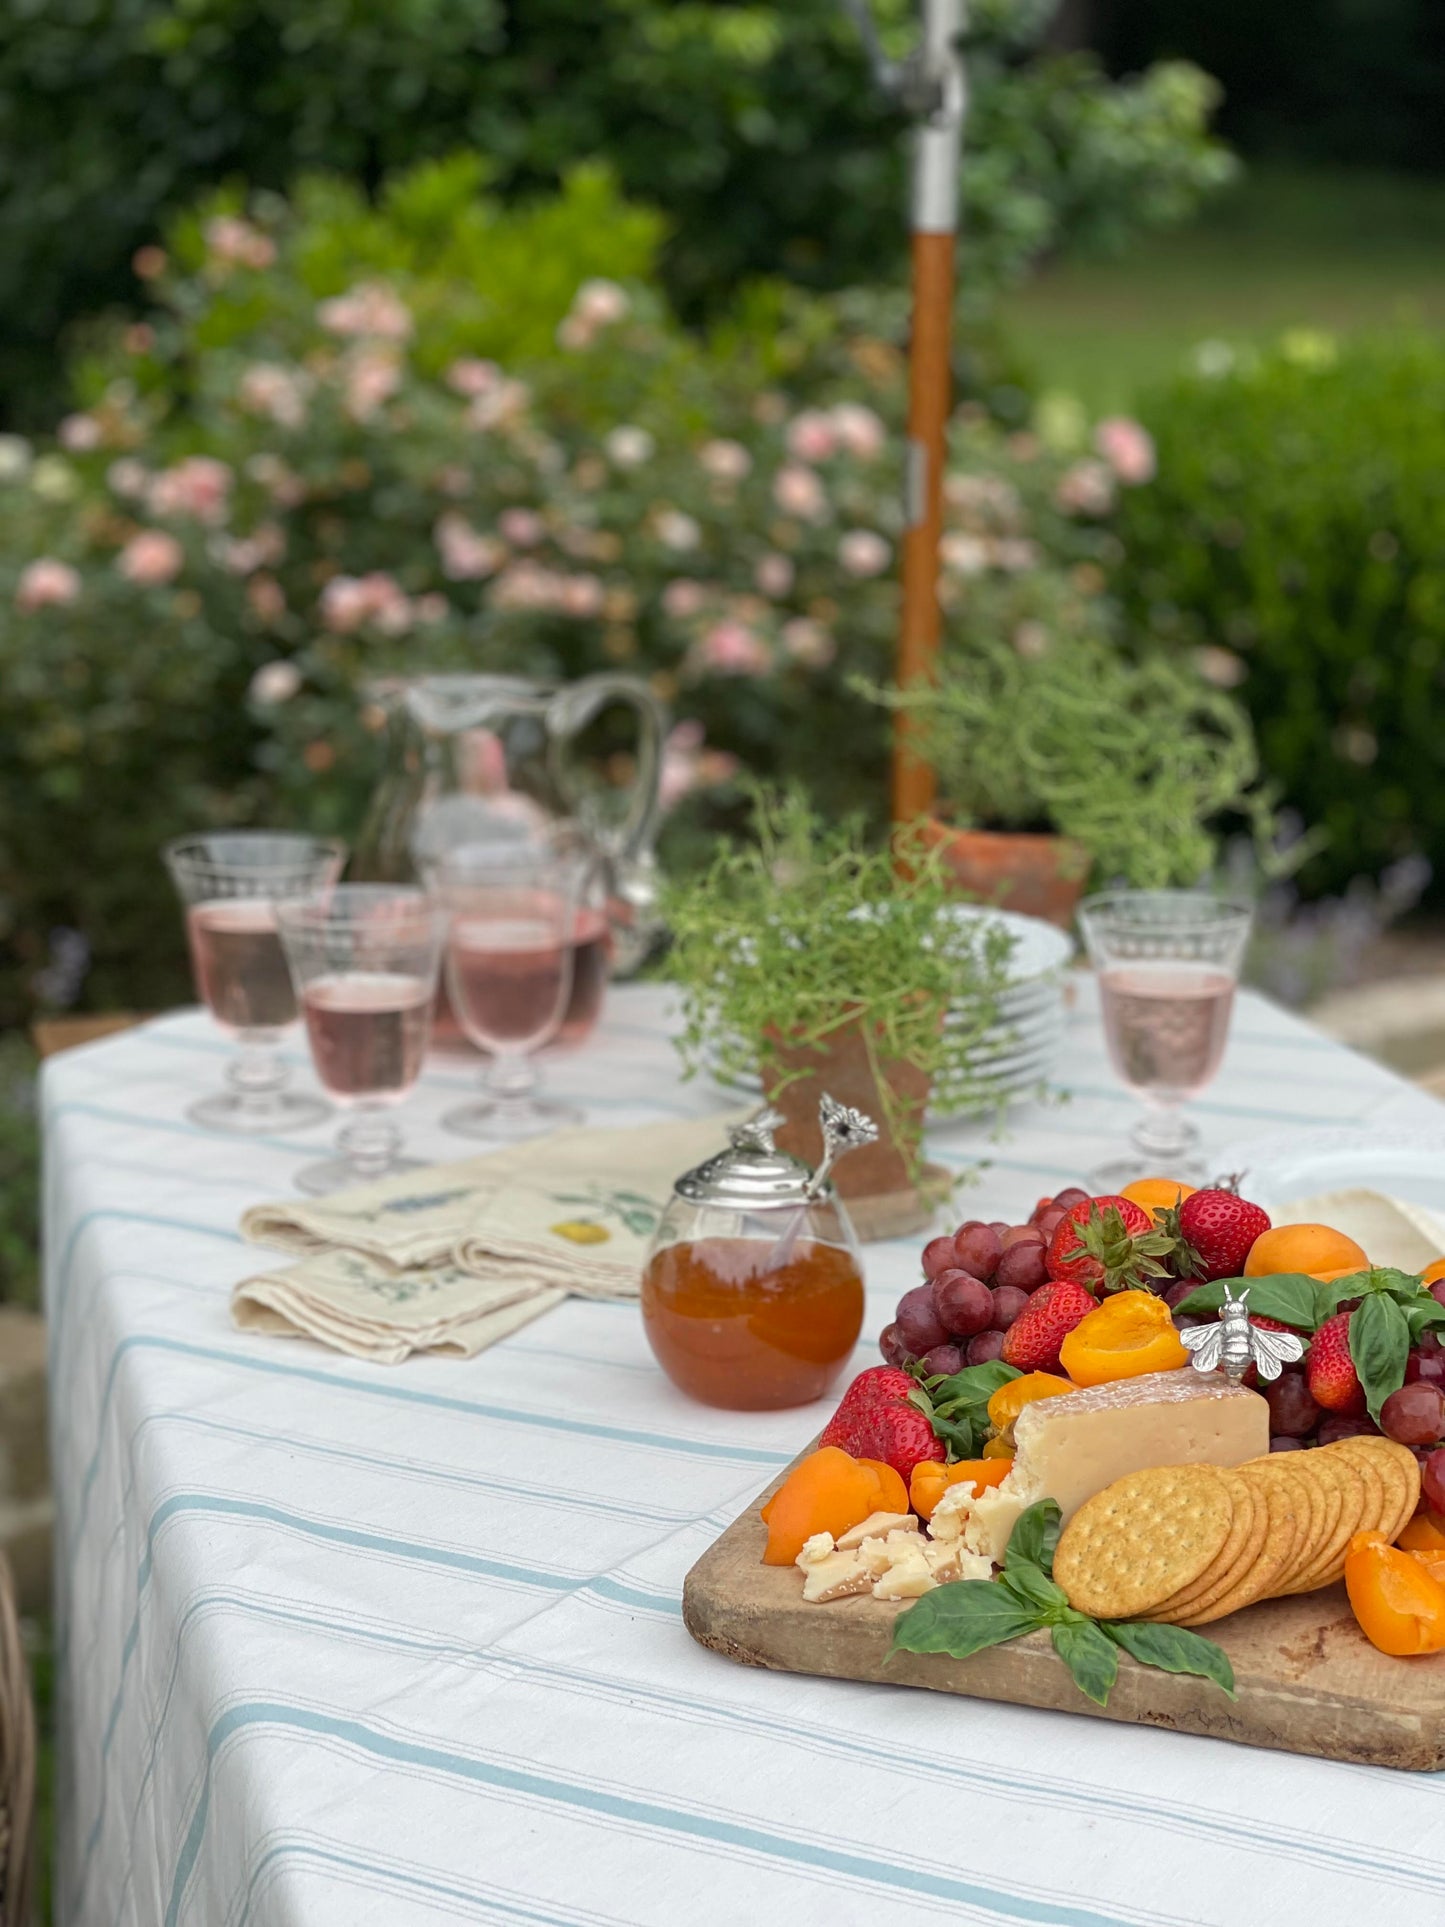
(1236, 1343)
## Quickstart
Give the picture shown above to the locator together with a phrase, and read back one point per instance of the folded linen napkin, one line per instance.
(456, 1256)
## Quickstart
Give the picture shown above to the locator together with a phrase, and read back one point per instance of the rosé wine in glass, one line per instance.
(592, 948)
(507, 978)
(364, 960)
(239, 965)
(1167, 963)
(231, 883)
(368, 1032)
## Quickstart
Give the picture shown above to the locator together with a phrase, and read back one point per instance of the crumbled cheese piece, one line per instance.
(875, 1555)
(948, 1561)
(815, 1549)
(841, 1575)
(996, 1513)
(951, 1514)
(876, 1526)
(906, 1578)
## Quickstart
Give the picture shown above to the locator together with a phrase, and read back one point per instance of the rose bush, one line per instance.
(308, 467)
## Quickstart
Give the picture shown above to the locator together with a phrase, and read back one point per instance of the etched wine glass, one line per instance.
(364, 959)
(231, 883)
(1167, 964)
(509, 961)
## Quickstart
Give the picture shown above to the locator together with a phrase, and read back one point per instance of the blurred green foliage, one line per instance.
(1296, 531)
(754, 128)
(19, 1174)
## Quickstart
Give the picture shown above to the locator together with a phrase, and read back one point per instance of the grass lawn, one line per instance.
(1343, 252)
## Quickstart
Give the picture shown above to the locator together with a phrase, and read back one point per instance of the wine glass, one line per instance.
(230, 883)
(509, 961)
(1167, 963)
(364, 960)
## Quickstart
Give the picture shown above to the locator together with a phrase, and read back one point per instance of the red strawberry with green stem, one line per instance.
(1330, 1371)
(1215, 1230)
(1032, 1341)
(877, 1419)
(1110, 1243)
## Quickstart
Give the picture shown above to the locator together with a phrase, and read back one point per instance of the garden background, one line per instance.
(342, 337)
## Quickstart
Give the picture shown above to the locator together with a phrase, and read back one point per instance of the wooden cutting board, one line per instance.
(1308, 1680)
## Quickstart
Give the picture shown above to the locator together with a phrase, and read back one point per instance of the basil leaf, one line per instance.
(1034, 1589)
(1089, 1656)
(974, 1385)
(1379, 1345)
(962, 1618)
(959, 1435)
(1289, 1296)
(1034, 1537)
(1329, 1296)
(1425, 1314)
(1173, 1649)
(1205, 1297)
(957, 1407)
(1404, 1285)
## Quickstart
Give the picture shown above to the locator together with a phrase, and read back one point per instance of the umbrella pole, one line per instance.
(938, 146)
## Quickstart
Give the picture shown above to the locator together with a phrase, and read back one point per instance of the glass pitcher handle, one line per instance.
(571, 710)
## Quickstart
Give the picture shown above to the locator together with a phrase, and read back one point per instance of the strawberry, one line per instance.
(1215, 1229)
(1032, 1341)
(1110, 1242)
(879, 1382)
(885, 1428)
(1330, 1372)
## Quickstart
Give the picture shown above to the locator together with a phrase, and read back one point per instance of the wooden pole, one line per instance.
(937, 154)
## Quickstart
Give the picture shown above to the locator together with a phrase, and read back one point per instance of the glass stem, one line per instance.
(256, 1076)
(369, 1143)
(511, 1079)
(1163, 1132)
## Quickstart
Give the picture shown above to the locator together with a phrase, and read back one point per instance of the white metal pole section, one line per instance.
(934, 86)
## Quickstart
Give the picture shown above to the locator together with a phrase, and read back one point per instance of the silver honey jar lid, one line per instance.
(752, 1174)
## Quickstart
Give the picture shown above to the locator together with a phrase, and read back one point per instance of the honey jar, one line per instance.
(752, 1294)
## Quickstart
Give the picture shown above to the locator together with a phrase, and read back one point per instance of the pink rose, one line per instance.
(601, 302)
(275, 682)
(371, 376)
(350, 602)
(797, 491)
(812, 436)
(806, 642)
(1086, 489)
(149, 263)
(860, 432)
(501, 406)
(151, 559)
(198, 487)
(683, 598)
(774, 574)
(370, 308)
(466, 555)
(523, 528)
(79, 433)
(861, 552)
(432, 607)
(470, 377)
(1128, 448)
(238, 244)
(266, 597)
(676, 530)
(629, 447)
(128, 478)
(46, 582)
(724, 460)
(581, 595)
(732, 649)
(275, 392)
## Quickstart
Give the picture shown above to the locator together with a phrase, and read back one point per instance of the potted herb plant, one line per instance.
(809, 961)
(1066, 760)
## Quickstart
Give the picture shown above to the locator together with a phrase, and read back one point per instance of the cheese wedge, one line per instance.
(1072, 1446)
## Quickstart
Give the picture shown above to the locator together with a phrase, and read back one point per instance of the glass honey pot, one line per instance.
(752, 1294)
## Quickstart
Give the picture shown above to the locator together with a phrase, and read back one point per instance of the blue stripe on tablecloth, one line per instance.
(890, 1876)
(403, 1878)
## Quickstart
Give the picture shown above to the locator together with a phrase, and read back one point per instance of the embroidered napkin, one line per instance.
(456, 1256)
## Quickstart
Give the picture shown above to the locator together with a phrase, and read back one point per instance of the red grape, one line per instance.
(976, 1250)
(1335, 1429)
(1022, 1234)
(1284, 1443)
(1008, 1302)
(1049, 1221)
(1067, 1199)
(1415, 1415)
(938, 1256)
(1437, 1291)
(1292, 1411)
(962, 1304)
(1432, 1474)
(1428, 1342)
(919, 1325)
(943, 1360)
(1022, 1265)
(894, 1351)
(1426, 1367)
(999, 1226)
(988, 1346)
(1176, 1294)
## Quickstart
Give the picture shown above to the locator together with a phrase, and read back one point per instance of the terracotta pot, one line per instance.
(1042, 876)
(839, 1064)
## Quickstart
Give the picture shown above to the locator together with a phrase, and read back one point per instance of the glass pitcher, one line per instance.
(482, 758)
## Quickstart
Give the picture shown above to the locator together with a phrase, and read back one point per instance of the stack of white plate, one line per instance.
(1021, 1047)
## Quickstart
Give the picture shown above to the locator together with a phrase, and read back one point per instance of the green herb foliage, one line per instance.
(966, 1617)
(787, 938)
(957, 1407)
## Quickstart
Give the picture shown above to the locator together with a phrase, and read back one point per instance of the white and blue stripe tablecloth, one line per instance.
(344, 1644)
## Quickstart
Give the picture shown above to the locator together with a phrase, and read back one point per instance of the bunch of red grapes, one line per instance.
(979, 1278)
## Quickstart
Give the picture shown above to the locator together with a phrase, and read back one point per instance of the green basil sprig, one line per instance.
(965, 1617)
(957, 1407)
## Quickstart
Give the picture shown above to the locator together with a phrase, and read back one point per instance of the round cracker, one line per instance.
(1142, 1539)
(1238, 1554)
(1336, 1486)
(1355, 1497)
(1280, 1542)
(1311, 1496)
(1398, 1468)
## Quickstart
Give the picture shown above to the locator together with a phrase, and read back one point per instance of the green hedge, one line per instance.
(1297, 531)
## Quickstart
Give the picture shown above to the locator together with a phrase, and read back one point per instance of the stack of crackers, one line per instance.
(1188, 1544)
